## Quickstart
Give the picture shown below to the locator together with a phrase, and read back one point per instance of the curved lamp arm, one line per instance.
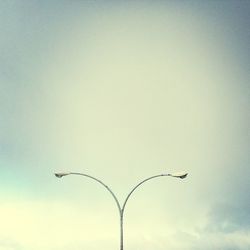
(59, 175)
(180, 175)
(139, 184)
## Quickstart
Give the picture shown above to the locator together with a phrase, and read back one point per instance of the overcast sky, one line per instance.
(123, 90)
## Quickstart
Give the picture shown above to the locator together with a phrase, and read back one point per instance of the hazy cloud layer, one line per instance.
(122, 91)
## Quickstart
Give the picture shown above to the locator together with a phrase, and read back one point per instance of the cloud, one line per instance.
(53, 225)
(230, 217)
(6, 244)
(225, 241)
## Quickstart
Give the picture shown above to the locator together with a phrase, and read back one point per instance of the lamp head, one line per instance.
(60, 175)
(181, 175)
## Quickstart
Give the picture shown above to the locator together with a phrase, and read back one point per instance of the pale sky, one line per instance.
(123, 90)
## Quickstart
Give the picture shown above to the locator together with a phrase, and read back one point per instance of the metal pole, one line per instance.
(121, 231)
(121, 209)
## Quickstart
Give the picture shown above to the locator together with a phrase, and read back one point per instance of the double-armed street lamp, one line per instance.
(121, 208)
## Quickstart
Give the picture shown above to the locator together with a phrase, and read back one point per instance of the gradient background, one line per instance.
(123, 90)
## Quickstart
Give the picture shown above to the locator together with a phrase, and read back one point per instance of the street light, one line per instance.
(181, 175)
(121, 209)
(60, 175)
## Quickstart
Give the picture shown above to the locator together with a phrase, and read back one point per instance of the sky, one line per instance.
(123, 90)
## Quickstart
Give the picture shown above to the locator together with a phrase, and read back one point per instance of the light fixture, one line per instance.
(60, 175)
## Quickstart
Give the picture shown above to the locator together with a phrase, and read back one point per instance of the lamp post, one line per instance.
(121, 209)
